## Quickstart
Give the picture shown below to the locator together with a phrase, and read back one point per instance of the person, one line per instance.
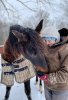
(56, 79)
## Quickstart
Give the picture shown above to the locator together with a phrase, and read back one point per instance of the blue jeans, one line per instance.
(55, 95)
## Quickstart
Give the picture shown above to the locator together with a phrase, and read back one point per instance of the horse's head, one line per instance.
(31, 45)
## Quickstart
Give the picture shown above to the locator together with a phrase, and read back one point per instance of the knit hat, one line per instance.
(52, 32)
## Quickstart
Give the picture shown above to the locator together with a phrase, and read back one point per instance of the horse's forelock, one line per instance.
(30, 31)
(35, 40)
(15, 27)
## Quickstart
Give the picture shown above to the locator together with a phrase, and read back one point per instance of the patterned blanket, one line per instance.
(20, 70)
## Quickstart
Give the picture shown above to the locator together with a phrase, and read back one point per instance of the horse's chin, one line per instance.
(41, 69)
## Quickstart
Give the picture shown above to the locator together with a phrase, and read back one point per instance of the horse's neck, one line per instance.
(7, 54)
(8, 57)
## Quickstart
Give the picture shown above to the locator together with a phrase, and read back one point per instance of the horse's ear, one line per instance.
(19, 36)
(16, 34)
(39, 26)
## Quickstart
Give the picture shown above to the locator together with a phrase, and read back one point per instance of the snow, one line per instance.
(17, 92)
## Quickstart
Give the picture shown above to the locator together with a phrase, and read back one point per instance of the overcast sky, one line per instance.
(56, 11)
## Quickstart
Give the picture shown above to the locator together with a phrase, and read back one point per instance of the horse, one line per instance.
(38, 82)
(27, 42)
(11, 52)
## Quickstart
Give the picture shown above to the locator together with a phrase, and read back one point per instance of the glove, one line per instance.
(42, 75)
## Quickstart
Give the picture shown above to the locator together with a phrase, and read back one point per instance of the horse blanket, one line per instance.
(20, 70)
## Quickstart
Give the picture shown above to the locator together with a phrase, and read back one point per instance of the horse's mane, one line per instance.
(10, 49)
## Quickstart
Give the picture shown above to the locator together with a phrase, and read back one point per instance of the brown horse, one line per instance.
(35, 49)
(28, 42)
(11, 52)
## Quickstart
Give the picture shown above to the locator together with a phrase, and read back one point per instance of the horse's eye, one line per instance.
(32, 51)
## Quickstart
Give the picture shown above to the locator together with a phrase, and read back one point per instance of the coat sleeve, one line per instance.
(61, 75)
(55, 60)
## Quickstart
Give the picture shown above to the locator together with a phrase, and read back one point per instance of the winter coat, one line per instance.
(57, 61)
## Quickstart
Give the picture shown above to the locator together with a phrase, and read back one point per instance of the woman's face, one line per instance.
(50, 42)
(64, 38)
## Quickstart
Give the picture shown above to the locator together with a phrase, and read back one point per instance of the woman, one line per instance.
(56, 79)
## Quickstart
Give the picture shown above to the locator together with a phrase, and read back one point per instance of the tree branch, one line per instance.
(5, 7)
(26, 6)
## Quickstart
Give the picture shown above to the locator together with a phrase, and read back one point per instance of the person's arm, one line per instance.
(60, 76)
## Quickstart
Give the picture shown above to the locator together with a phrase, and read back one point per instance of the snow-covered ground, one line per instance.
(17, 92)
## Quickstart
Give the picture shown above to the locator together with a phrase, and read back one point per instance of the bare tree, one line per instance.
(53, 12)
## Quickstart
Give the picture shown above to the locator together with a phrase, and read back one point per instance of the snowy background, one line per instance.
(30, 12)
(17, 92)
